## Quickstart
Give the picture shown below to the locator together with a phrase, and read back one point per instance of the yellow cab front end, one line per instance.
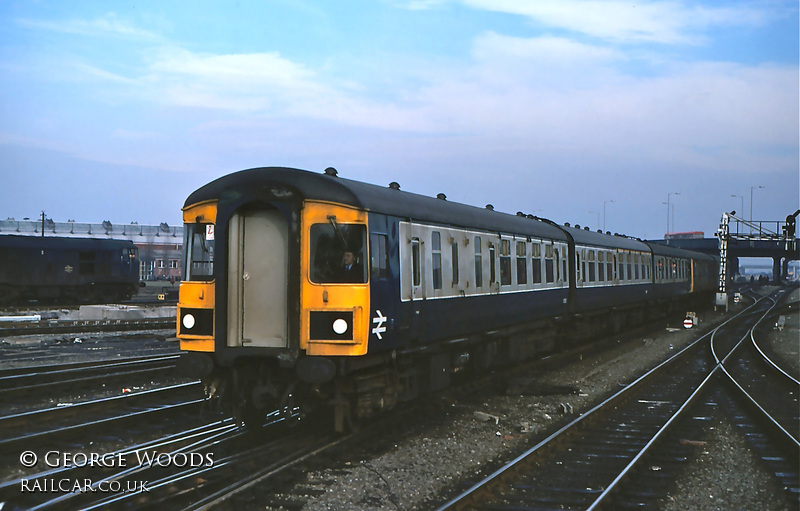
(334, 294)
(196, 300)
(334, 298)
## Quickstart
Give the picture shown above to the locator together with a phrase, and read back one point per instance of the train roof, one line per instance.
(664, 250)
(379, 199)
(587, 237)
(412, 206)
(53, 242)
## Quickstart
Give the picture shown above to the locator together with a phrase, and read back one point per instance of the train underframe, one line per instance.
(362, 387)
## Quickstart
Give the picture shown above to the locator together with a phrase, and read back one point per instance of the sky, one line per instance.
(589, 112)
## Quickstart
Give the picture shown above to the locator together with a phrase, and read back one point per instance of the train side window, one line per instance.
(578, 275)
(379, 251)
(548, 263)
(522, 263)
(536, 266)
(601, 266)
(415, 271)
(454, 249)
(505, 262)
(630, 270)
(436, 259)
(557, 257)
(621, 269)
(478, 263)
(592, 271)
(636, 266)
(492, 270)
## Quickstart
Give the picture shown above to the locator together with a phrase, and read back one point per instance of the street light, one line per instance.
(604, 213)
(670, 207)
(670, 193)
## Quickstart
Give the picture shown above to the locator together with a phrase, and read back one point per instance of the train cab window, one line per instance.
(454, 260)
(492, 270)
(199, 252)
(379, 255)
(505, 263)
(536, 263)
(522, 263)
(337, 253)
(436, 259)
(478, 263)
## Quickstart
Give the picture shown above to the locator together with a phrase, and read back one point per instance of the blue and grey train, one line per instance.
(66, 270)
(308, 288)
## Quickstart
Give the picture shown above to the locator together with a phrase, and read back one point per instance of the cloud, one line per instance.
(251, 82)
(104, 26)
(625, 21)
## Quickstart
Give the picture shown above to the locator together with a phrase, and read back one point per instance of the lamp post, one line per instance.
(670, 193)
(670, 207)
(604, 213)
(751, 200)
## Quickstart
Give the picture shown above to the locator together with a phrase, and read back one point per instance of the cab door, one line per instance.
(258, 279)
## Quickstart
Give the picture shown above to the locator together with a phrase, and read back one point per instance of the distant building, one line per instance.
(691, 235)
(160, 246)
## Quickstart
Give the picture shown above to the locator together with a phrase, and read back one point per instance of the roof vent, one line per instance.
(586, 228)
(600, 231)
(577, 226)
(490, 207)
(441, 196)
(520, 213)
(330, 171)
(566, 224)
(394, 185)
(608, 232)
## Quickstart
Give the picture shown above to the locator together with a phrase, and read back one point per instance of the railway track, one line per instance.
(617, 453)
(55, 326)
(190, 470)
(56, 425)
(51, 377)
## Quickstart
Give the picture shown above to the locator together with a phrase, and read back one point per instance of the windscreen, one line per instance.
(199, 252)
(338, 253)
